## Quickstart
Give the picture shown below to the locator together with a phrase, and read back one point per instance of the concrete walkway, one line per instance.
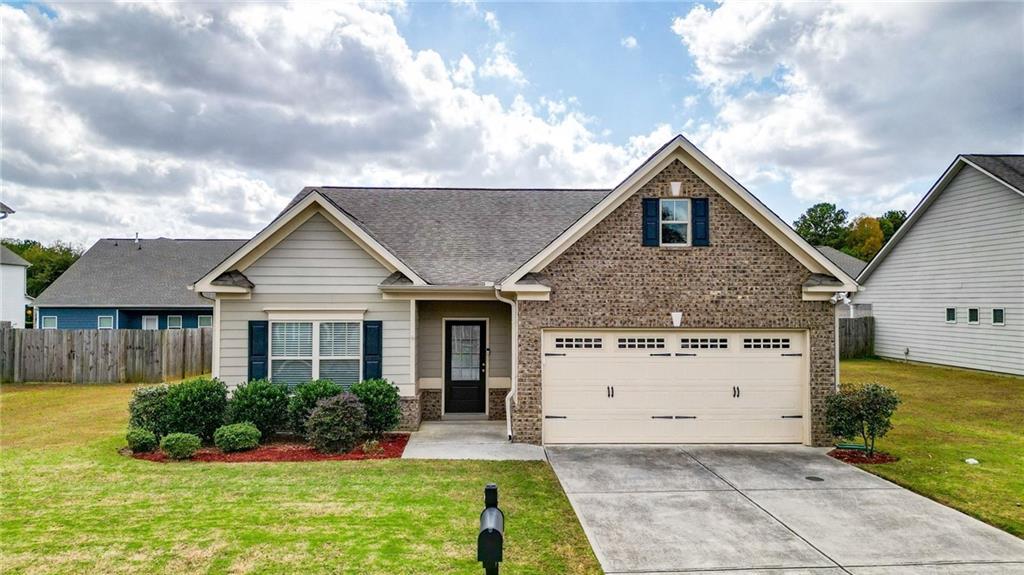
(766, 510)
(468, 440)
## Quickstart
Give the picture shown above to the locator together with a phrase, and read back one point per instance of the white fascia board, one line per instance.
(290, 220)
(682, 149)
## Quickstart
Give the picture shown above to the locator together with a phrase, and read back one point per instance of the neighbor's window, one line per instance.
(998, 316)
(105, 322)
(335, 354)
(950, 315)
(174, 322)
(675, 222)
(972, 315)
(206, 321)
(49, 322)
(150, 322)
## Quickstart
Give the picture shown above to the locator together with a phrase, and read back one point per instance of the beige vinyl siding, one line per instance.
(317, 264)
(965, 251)
(429, 360)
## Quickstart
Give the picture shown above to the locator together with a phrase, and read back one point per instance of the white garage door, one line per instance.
(674, 386)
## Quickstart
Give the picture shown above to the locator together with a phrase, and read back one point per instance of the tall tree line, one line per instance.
(825, 224)
(48, 261)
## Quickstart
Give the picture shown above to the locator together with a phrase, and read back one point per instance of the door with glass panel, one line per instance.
(465, 367)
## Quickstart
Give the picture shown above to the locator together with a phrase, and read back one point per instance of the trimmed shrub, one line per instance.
(863, 412)
(261, 403)
(380, 399)
(148, 408)
(196, 406)
(140, 440)
(180, 445)
(236, 437)
(336, 424)
(304, 399)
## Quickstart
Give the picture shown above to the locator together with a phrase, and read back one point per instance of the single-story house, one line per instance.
(674, 307)
(852, 266)
(133, 284)
(13, 281)
(948, 287)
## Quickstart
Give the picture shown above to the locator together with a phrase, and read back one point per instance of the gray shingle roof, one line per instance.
(461, 236)
(849, 264)
(8, 257)
(5, 209)
(115, 272)
(1008, 168)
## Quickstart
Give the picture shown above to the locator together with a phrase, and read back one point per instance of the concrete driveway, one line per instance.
(767, 510)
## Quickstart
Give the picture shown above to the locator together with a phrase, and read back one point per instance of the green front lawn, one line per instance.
(71, 504)
(947, 416)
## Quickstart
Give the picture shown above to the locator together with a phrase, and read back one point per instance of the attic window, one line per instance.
(675, 222)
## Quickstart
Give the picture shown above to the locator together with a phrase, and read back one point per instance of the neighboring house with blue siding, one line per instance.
(948, 288)
(134, 284)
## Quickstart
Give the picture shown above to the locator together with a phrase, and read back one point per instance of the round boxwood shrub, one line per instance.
(180, 445)
(261, 403)
(304, 399)
(196, 406)
(380, 399)
(141, 440)
(236, 437)
(336, 424)
(148, 408)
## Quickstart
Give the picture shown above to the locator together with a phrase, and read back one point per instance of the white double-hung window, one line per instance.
(301, 351)
(675, 222)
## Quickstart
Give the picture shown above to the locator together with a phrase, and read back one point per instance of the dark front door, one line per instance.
(465, 368)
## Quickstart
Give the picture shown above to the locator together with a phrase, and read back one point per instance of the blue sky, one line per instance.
(203, 120)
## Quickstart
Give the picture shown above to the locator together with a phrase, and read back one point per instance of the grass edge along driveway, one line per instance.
(71, 504)
(947, 416)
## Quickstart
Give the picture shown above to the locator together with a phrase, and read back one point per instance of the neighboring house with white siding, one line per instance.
(13, 278)
(948, 288)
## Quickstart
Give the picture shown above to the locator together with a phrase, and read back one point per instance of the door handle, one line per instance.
(613, 392)
(734, 391)
(607, 391)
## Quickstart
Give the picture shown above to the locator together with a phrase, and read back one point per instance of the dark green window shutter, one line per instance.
(701, 222)
(373, 344)
(651, 221)
(258, 345)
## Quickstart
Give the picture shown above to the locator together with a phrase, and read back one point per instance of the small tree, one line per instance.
(862, 411)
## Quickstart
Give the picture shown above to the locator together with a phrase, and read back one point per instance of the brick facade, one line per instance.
(607, 279)
(410, 407)
(430, 404)
(496, 404)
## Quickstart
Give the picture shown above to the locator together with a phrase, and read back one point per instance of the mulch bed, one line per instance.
(857, 456)
(392, 446)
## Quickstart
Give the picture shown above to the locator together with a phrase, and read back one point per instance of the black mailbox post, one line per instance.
(491, 539)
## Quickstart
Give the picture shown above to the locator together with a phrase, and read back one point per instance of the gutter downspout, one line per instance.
(515, 357)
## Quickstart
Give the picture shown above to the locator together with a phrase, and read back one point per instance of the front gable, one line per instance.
(699, 171)
(312, 206)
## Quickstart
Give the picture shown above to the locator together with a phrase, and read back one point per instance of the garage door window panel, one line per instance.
(641, 343)
(704, 343)
(578, 343)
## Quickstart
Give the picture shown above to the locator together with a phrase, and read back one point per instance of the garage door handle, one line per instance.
(686, 355)
(661, 355)
(661, 417)
(792, 354)
(686, 417)
(556, 417)
(792, 417)
(554, 355)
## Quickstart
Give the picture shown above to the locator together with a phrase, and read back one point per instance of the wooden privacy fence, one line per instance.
(856, 337)
(104, 356)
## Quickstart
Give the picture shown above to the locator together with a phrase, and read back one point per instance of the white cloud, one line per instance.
(501, 64)
(188, 120)
(628, 42)
(492, 21)
(489, 18)
(690, 101)
(862, 103)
